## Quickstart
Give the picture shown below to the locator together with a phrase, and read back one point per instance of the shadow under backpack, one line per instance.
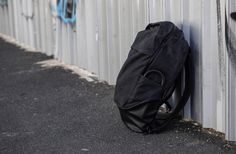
(158, 58)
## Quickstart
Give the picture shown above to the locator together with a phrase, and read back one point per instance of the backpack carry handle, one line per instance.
(152, 25)
(155, 76)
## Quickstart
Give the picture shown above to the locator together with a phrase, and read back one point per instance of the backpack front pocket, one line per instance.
(146, 90)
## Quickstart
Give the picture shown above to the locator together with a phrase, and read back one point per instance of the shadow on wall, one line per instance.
(194, 41)
(231, 41)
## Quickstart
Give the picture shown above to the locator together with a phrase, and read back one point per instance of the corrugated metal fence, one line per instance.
(100, 40)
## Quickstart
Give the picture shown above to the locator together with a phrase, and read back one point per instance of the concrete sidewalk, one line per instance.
(52, 110)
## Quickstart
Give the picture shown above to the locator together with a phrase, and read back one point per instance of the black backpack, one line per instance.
(158, 58)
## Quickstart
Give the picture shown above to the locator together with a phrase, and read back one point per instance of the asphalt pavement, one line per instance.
(51, 110)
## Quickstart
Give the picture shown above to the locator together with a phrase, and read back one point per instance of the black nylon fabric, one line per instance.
(155, 60)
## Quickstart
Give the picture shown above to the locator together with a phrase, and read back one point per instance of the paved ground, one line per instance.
(51, 110)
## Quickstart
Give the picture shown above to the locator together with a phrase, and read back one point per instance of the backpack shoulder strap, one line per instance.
(188, 84)
(162, 119)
